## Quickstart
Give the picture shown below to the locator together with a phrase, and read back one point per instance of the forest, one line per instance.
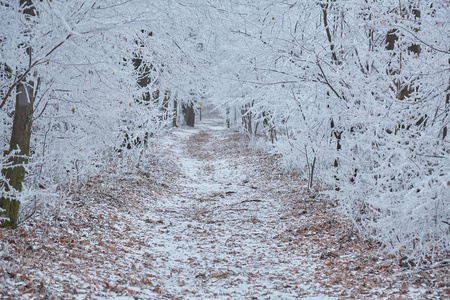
(350, 99)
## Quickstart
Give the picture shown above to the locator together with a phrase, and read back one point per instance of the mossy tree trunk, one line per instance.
(20, 139)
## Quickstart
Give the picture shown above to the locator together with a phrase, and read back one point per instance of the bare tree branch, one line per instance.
(327, 82)
(30, 67)
(420, 40)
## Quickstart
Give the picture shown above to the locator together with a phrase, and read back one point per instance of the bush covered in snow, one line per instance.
(356, 95)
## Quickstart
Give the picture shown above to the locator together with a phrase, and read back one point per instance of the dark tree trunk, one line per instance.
(328, 32)
(175, 113)
(189, 114)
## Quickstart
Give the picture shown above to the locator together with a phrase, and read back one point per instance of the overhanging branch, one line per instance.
(27, 71)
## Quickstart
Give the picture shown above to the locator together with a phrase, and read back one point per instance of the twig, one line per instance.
(327, 82)
(426, 44)
(31, 66)
(253, 200)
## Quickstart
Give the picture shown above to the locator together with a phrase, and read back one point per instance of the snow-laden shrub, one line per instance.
(359, 97)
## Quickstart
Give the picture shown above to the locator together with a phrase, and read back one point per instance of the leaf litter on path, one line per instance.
(203, 218)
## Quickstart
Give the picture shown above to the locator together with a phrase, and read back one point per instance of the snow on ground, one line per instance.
(203, 218)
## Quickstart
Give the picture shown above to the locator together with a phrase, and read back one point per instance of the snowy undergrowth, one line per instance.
(394, 189)
(357, 97)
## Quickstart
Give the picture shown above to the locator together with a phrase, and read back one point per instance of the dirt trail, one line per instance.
(204, 218)
(229, 212)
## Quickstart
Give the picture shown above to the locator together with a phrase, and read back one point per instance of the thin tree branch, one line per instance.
(327, 82)
(19, 80)
(327, 29)
(426, 44)
(31, 66)
(57, 46)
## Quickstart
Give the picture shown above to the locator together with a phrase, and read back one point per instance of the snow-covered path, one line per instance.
(204, 217)
(219, 235)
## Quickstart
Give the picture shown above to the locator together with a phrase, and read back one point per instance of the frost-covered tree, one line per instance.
(80, 58)
(25, 86)
(356, 93)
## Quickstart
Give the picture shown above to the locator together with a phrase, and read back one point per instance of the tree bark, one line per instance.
(189, 114)
(175, 113)
(327, 30)
(20, 138)
(165, 105)
(20, 141)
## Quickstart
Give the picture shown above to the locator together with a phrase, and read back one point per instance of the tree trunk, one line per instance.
(20, 138)
(189, 114)
(175, 113)
(165, 105)
(20, 141)
(327, 30)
